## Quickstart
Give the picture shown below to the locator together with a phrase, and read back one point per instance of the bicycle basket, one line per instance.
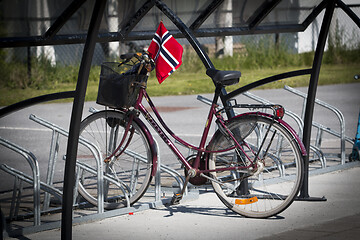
(117, 88)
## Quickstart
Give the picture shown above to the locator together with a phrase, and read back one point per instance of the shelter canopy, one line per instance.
(137, 19)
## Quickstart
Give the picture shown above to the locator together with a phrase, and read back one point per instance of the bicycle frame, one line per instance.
(201, 148)
(193, 168)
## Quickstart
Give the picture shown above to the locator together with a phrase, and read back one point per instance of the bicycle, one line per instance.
(254, 160)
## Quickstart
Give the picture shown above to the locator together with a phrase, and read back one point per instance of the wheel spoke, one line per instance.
(126, 176)
(267, 189)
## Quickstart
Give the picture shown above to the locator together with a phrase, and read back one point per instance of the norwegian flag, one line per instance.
(166, 52)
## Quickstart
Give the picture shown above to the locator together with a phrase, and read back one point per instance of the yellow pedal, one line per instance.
(245, 201)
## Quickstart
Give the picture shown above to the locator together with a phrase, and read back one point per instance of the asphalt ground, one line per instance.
(186, 116)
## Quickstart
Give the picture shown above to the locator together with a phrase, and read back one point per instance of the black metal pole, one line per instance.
(349, 12)
(304, 193)
(205, 14)
(72, 146)
(186, 32)
(63, 18)
(28, 62)
(194, 43)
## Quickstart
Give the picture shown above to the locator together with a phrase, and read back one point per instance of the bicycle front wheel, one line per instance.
(126, 177)
(270, 188)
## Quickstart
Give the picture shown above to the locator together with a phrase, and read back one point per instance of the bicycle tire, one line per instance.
(131, 172)
(276, 186)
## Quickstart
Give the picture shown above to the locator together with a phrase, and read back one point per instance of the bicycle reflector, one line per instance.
(245, 201)
(279, 111)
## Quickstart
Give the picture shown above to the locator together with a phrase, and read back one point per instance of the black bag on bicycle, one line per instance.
(118, 86)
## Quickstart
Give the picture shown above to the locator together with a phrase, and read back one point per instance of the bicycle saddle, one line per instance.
(224, 78)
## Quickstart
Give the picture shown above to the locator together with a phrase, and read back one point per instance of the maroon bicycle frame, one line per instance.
(201, 148)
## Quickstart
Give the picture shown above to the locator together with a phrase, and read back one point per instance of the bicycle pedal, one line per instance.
(176, 199)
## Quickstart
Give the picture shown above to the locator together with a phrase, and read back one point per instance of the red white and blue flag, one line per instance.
(166, 52)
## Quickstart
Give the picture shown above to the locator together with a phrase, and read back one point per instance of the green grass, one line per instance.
(195, 83)
(185, 83)
(258, 60)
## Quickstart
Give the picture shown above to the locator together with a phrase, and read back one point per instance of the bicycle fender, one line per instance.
(152, 143)
(281, 122)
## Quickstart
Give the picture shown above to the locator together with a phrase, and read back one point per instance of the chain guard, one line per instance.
(197, 180)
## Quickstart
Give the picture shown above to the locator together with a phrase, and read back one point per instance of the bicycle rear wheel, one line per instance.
(127, 177)
(278, 181)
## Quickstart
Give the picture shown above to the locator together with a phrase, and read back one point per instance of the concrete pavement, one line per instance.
(206, 217)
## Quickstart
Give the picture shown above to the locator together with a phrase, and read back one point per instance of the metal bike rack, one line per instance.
(355, 154)
(161, 167)
(19, 177)
(281, 166)
(53, 153)
(96, 153)
(48, 187)
(300, 124)
(321, 128)
(34, 180)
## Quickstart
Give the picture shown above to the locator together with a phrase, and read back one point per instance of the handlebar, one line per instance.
(127, 56)
(139, 56)
(145, 62)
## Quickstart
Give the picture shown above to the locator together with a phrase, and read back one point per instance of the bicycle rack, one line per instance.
(178, 178)
(53, 153)
(321, 128)
(355, 154)
(48, 187)
(19, 177)
(162, 167)
(300, 124)
(296, 118)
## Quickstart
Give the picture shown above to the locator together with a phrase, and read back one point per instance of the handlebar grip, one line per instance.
(127, 56)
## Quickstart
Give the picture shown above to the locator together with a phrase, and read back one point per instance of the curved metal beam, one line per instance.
(349, 12)
(63, 18)
(309, 110)
(205, 14)
(267, 80)
(32, 101)
(78, 105)
(187, 33)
